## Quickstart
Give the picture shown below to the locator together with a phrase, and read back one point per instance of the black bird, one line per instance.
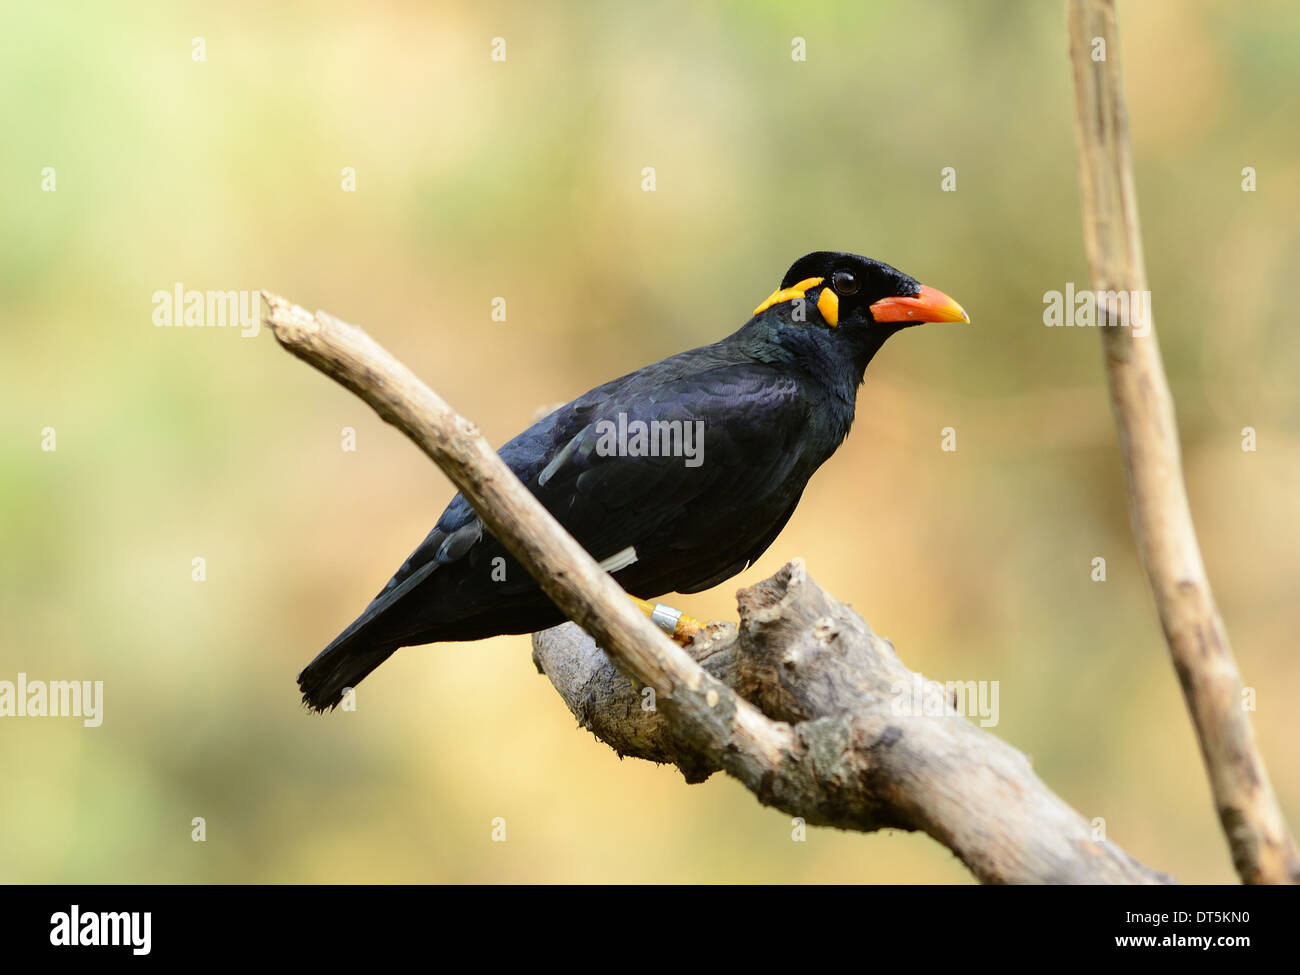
(675, 477)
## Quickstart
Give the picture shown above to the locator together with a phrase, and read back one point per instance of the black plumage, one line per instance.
(771, 402)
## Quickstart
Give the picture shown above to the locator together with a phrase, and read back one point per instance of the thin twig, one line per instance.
(1262, 850)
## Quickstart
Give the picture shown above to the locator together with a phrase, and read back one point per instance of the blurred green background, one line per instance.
(522, 179)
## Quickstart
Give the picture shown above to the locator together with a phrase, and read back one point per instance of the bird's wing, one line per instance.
(748, 416)
(739, 421)
(459, 528)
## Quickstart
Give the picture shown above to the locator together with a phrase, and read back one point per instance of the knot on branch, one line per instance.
(802, 654)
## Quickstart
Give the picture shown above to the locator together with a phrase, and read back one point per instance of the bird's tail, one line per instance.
(342, 665)
(368, 641)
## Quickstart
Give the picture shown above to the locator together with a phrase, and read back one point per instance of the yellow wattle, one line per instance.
(788, 294)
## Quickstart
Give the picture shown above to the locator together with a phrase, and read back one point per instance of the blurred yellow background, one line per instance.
(522, 179)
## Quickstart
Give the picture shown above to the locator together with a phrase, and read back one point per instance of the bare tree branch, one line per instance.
(804, 657)
(832, 747)
(1262, 849)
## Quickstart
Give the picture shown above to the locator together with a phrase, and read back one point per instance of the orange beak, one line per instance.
(930, 305)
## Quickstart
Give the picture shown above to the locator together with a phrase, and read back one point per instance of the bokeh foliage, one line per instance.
(523, 179)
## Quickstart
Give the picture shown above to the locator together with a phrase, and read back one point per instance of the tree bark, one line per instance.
(877, 759)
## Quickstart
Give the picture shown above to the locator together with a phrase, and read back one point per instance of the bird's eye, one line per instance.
(844, 282)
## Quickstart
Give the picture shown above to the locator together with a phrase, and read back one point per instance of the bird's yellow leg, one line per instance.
(675, 623)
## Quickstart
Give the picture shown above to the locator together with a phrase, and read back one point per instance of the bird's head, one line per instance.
(844, 291)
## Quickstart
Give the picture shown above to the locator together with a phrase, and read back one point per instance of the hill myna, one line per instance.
(674, 477)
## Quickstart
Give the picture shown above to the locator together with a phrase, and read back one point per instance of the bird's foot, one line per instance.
(680, 627)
